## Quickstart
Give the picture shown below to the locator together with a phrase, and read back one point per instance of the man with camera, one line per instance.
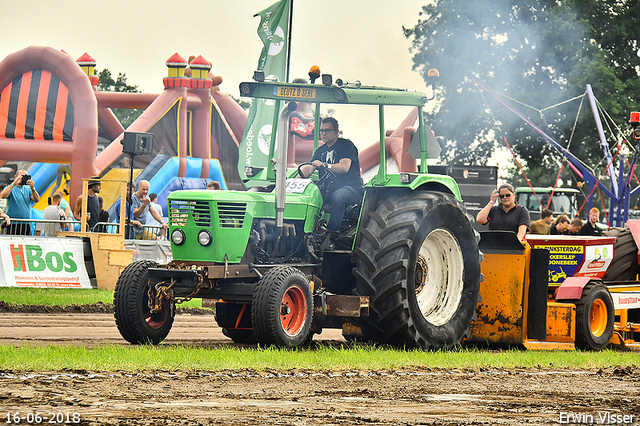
(19, 194)
(140, 202)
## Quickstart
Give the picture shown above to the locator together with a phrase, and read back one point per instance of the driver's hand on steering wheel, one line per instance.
(317, 164)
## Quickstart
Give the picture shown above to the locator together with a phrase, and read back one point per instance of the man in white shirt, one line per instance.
(53, 213)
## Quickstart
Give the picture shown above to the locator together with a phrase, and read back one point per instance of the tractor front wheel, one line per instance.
(134, 317)
(282, 308)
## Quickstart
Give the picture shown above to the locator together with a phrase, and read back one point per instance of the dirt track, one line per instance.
(424, 396)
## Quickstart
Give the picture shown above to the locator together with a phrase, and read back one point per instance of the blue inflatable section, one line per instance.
(43, 175)
(162, 176)
(166, 180)
(154, 167)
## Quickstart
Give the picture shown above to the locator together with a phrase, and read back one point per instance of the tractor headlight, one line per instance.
(177, 237)
(204, 238)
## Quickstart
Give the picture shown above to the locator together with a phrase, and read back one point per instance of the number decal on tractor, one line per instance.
(296, 186)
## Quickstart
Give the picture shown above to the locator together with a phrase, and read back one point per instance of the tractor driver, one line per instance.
(339, 156)
(507, 216)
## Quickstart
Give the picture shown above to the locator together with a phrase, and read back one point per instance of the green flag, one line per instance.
(273, 30)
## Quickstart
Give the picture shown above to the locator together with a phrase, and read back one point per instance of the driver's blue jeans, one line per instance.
(340, 199)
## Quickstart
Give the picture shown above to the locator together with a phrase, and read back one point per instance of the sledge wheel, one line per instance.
(134, 317)
(419, 264)
(282, 308)
(594, 317)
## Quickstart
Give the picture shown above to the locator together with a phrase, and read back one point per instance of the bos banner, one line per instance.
(42, 262)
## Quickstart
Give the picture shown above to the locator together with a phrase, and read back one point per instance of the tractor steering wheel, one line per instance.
(325, 180)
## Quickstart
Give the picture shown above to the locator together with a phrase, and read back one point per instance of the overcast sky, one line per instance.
(353, 40)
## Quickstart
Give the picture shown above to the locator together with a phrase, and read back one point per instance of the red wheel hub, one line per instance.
(293, 310)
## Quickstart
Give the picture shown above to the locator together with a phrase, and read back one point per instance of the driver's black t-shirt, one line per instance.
(343, 148)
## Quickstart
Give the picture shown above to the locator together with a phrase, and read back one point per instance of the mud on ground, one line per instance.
(406, 397)
(361, 397)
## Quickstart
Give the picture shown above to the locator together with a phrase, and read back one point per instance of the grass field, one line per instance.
(173, 358)
(129, 358)
(62, 297)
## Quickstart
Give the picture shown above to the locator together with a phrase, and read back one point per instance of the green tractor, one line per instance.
(404, 269)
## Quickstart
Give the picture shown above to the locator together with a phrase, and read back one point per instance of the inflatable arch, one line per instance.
(48, 112)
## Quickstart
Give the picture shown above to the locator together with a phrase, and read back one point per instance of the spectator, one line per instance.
(542, 225)
(158, 208)
(136, 226)
(506, 216)
(7, 220)
(53, 213)
(591, 227)
(3, 201)
(64, 205)
(575, 226)
(20, 193)
(561, 225)
(214, 185)
(140, 205)
(93, 204)
(103, 217)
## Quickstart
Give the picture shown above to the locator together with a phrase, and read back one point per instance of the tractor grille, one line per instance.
(231, 215)
(180, 210)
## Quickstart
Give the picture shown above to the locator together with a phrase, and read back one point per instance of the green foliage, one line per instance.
(539, 52)
(106, 83)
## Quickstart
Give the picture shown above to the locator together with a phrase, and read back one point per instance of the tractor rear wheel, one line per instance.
(594, 317)
(282, 308)
(135, 321)
(624, 266)
(419, 264)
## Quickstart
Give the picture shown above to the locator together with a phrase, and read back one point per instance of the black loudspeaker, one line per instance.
(137, 143)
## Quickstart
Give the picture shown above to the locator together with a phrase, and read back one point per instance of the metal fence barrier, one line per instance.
(48, 228)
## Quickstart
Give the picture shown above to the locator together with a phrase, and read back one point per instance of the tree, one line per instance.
(242, 102)
(106, 83)
(539, 52)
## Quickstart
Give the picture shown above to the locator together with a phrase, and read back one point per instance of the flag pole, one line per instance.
(289, 41)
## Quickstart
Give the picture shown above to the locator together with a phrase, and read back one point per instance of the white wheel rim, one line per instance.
(439, 277)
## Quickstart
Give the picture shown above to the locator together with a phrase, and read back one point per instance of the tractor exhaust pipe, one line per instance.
(282, 142)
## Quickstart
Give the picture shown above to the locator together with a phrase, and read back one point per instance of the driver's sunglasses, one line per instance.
(326, 130)
(504, 195)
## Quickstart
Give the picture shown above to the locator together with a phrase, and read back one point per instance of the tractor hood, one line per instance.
(214, 226)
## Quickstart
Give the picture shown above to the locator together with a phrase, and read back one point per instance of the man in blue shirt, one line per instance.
(135, 225)
(20, 194)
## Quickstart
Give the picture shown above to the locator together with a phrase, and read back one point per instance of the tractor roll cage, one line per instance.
(350, 94)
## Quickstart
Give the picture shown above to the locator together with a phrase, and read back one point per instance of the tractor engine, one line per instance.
(269, 244)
